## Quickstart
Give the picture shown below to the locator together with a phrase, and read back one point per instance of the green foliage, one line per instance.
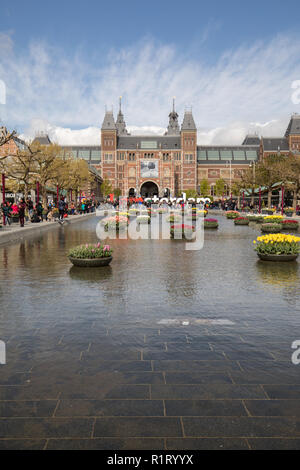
(90, 251)
(106, 187)
(190, 193)
(204, 187)
(220, 187)
(271, 228)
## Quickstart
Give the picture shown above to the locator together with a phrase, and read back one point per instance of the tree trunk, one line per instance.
(269, 198)
(295, 194)
(44, 196)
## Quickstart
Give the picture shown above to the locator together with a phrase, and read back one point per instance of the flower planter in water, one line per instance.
(91, 263)
(265, 257)
(241, 221)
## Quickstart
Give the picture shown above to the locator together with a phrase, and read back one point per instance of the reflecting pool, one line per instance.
(131, 355)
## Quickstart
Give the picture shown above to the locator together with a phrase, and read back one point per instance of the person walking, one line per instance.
(22, 207)
(61, 208)
(6, 212)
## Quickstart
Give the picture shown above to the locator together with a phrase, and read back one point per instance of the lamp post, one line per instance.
(3, 194)
(229, 163)
(57, 194)
(37, 192)
(259, 204)
(252, 165)
(282, 199)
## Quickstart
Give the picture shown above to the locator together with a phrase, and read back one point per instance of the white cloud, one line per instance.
(248, 89)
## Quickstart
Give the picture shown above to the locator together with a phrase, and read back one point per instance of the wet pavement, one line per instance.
(131, 356)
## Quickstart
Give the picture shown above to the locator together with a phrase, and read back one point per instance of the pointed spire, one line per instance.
(173, 127)
(108, 121)
(188, 123)
(120, 124)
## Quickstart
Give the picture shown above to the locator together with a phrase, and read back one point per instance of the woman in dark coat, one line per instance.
(22, 207)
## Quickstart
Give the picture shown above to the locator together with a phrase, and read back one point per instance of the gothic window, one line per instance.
(131, 157)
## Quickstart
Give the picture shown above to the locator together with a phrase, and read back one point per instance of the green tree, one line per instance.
(190, 193)
(272, 169)
(248, 182)
(21, 168)
(204, 187)
(220, 187)
(49, 166)
(106, 187)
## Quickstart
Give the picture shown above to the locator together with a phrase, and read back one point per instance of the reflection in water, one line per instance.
(281, 275)
(278, 273)
(90, 275)
(147, 280)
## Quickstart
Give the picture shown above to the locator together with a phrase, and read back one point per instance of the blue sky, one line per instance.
(233, 61)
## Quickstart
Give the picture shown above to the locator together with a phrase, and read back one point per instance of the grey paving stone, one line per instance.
(37, 408)
(273, 407)
(205, 408)
(29, 392)
(274, 444)
(199, 366)
(9, 378)
(282, 391)
(110, 408)
(105, 444)
(241, 427)
(138, 427)
(182, 355)
(92, 363)
(265, 377)
(106, 353)
(45, 427)
(22, 444)
(197, 377)
(206, 391)
(107, 391)
(206, 444)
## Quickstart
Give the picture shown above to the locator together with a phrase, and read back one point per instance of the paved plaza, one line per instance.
(164, 349)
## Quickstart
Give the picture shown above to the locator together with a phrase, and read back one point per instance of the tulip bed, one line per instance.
(277, 244)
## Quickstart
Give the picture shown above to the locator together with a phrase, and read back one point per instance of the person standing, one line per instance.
(22, 207)
(6, 212)
(61, 208)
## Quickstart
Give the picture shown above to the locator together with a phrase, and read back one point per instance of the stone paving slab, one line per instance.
(138, 427)
(241, 426)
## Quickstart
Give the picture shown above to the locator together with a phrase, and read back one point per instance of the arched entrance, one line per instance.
(149, 189)
(131, 192)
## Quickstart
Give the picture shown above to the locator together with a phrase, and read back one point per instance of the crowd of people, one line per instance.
(22, 210)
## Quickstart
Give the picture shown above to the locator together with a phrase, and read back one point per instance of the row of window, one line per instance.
(227, 155)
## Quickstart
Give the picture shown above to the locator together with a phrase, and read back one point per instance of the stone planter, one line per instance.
(289, 227)
(211, 225)
(265, 257)
(91, 263)
(271, 228)
(241, 222)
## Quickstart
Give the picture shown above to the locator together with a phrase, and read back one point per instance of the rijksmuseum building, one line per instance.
(171, 163)
(174, 162)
